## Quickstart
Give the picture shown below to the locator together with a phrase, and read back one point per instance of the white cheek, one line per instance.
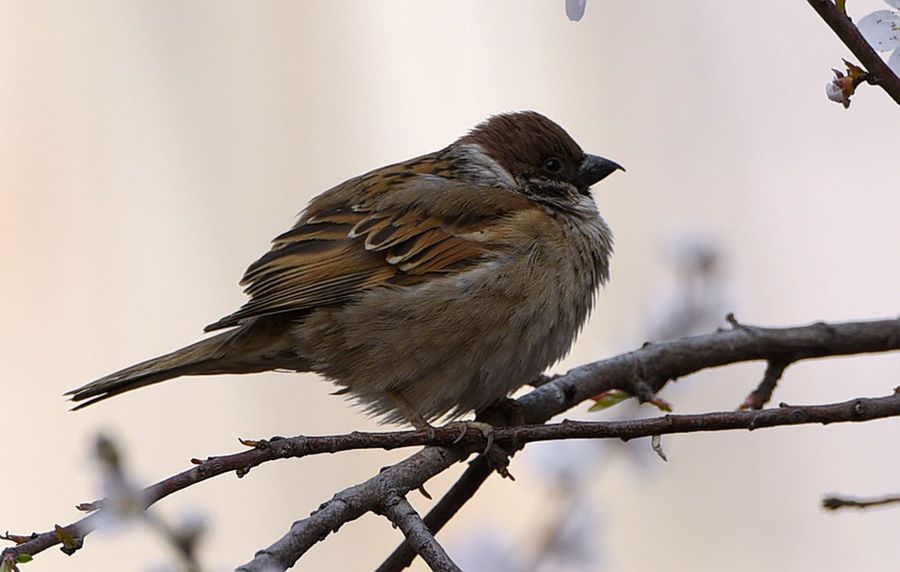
(494, 174)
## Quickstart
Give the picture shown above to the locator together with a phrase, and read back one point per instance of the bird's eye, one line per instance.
(552, 165)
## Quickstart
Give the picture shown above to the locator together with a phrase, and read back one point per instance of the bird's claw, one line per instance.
(486, 430)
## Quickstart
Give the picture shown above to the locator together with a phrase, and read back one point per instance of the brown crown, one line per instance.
(522, 141)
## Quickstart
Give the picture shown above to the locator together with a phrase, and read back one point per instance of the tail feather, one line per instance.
(236, 351)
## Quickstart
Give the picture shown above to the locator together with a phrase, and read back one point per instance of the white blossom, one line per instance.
(894, 62)
(882, 30)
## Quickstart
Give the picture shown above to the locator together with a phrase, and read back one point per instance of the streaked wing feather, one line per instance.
(336, 251)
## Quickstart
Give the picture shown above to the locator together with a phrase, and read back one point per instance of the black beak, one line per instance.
(593, 170)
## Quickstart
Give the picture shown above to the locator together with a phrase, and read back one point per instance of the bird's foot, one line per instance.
(494, 455)
(486, 430)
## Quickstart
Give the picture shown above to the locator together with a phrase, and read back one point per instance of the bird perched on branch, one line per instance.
(428, 288)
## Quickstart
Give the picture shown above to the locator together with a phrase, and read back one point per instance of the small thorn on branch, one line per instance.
(733, 321)
(89, 506)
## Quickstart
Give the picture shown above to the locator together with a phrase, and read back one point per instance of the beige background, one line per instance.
(149, 151)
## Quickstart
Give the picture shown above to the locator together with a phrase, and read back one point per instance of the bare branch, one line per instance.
(462, 490)
(351, 503)
(879, 72)
(658, 363)
(398, 510)
(665, 361)
(356, 501)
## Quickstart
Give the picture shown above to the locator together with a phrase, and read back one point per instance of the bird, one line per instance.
(425, 289)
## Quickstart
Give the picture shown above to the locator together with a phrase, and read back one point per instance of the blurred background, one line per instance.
(150, 150)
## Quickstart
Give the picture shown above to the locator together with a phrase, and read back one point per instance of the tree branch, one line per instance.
(662, 362)
(879, 72)
(368, 495)
(398, 510)
(350, 504)
(657, 364)
(462, 490)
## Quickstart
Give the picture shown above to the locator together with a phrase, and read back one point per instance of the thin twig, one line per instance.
(879, 72)
(834, 502)
(763, 392)
(398, 510)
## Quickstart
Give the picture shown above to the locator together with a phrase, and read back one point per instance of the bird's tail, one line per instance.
(244, 349)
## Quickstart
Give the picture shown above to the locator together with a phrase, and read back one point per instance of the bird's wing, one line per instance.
(382, 229)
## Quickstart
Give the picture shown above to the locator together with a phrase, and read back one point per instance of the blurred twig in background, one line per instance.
(835, 502)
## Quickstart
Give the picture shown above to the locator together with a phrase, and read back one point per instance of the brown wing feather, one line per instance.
(339, 249)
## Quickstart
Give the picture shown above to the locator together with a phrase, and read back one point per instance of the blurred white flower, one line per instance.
(562, 463)
(894, 62)
(575, 9)
(699, 294)
(574, 543)
(488, 547)
(124, 500)
(882, 30)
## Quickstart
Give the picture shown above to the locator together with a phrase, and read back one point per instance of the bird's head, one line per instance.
(545, 163)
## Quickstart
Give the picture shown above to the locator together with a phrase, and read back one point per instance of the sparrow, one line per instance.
(425, 289)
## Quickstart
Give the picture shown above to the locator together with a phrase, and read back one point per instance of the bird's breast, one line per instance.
(462, 342)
